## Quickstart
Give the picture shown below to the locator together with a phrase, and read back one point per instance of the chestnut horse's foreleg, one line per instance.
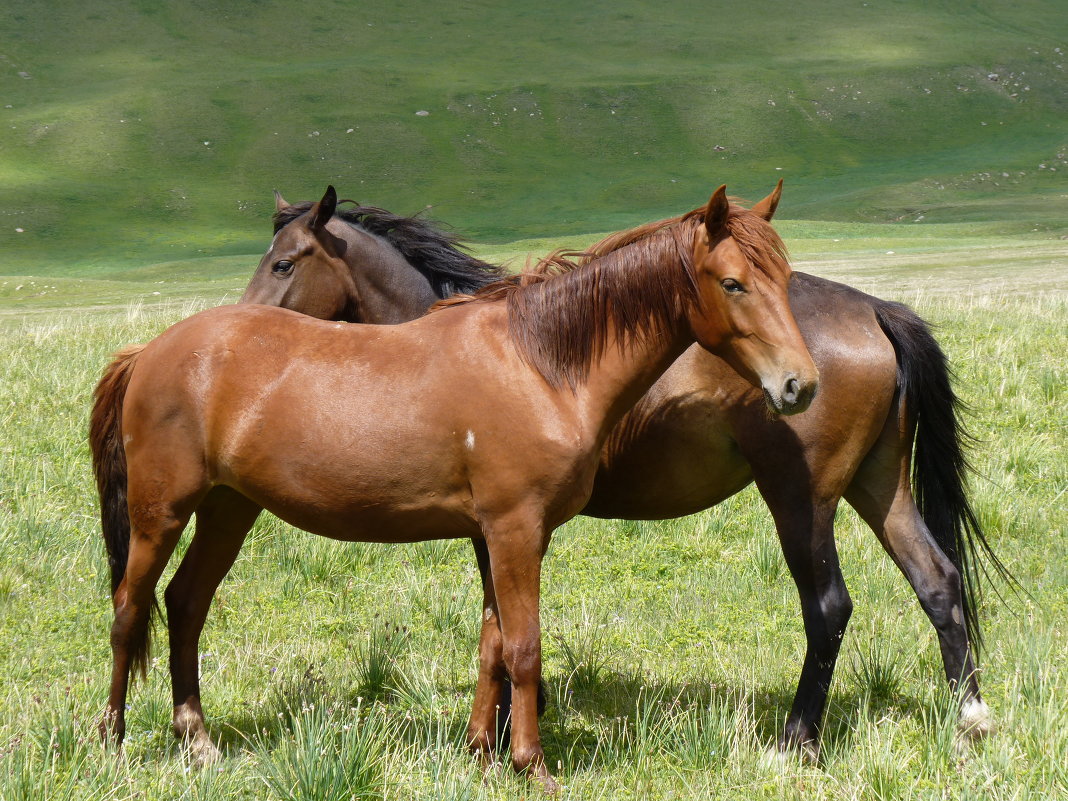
(806, 532)
(892, 514)
(486, 730)
(223, 519)
(152, 540)
(516, 548)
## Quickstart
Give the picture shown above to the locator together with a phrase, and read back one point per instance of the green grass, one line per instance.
(137, 133)
(139, 143)
(672, 648)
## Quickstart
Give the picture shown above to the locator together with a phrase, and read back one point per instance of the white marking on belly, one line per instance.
(469, 440)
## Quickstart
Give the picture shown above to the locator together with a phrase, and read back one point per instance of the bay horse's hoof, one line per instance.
(975, 720)
(785, 754)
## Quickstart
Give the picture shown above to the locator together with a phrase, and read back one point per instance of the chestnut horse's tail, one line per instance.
(109, 459)
(940, 464)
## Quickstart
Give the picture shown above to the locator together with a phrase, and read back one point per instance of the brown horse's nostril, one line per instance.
(792, 390)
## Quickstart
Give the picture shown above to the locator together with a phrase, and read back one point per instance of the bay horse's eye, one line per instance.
(732, 287)
(282, 268)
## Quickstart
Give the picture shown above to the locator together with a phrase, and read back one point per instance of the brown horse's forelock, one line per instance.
(638, 280)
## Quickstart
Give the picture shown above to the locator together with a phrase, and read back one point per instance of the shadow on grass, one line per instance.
(624, 716)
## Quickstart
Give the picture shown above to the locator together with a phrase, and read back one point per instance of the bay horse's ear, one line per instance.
(322, 211)
(716, 213)
(280, 203)
(766, 207)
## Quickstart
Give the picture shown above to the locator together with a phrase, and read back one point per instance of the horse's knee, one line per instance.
(523, 661)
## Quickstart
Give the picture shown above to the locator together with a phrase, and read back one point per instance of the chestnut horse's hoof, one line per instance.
(202, 752)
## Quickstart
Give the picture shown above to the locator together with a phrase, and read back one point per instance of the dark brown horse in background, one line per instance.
(376, 433)
(883, 432)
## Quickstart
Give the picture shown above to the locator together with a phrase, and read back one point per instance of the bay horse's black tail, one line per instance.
(109, 467)
(940, 465)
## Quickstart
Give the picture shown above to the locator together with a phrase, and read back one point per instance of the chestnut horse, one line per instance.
(701, 433)
(358, 432)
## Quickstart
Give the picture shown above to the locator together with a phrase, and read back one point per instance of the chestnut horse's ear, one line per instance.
(280, 203)
(322, 211)
(716, 213)
(766, 207)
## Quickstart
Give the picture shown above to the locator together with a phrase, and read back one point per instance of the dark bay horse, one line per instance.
(376, 433)
(701, 433)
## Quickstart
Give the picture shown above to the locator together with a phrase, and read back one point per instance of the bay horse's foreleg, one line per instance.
(223, 520)
(886, 504)
(516, 548)
(486, 730)
(806, 532)
(153, 535)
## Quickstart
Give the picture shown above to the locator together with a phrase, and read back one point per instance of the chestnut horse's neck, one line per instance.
(608, 328)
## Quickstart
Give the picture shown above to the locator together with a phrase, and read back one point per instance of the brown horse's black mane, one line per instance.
(435, 253)
(561, 311)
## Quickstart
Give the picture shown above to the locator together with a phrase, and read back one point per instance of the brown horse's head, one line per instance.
(743, 313)
(305, 268)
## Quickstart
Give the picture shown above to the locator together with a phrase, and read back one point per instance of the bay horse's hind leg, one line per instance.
(881, 494)
(155, 528)
(223, 520)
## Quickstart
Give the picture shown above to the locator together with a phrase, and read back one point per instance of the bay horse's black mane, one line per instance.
(435, 253)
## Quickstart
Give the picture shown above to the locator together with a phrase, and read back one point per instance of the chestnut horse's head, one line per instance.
(742, 312)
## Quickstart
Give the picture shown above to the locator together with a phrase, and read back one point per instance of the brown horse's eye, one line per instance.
(732, 287)
(282, 268)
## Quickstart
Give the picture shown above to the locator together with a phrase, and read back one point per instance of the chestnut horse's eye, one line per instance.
(282, 268)
(732, 287)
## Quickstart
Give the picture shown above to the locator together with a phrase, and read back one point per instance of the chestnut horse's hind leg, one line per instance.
(154, 532)
(223, 519)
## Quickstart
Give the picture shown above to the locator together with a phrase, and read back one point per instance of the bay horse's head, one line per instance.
(305, 268)
(742, 312)
(361, 264)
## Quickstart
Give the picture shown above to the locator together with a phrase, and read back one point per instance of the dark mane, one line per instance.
(436, 254)
(560, 311)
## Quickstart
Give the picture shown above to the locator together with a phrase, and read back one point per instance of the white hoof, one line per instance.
(975, 720)
(808, 753)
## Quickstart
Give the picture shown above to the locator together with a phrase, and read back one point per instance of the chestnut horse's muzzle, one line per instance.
(793, 395)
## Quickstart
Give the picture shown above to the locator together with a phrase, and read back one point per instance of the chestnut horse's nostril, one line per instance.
(792, 390)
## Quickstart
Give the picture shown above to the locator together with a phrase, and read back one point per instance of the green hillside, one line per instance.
(136, 132)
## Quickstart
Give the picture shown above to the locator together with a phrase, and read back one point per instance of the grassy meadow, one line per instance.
(925, 156)
(333, 671)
